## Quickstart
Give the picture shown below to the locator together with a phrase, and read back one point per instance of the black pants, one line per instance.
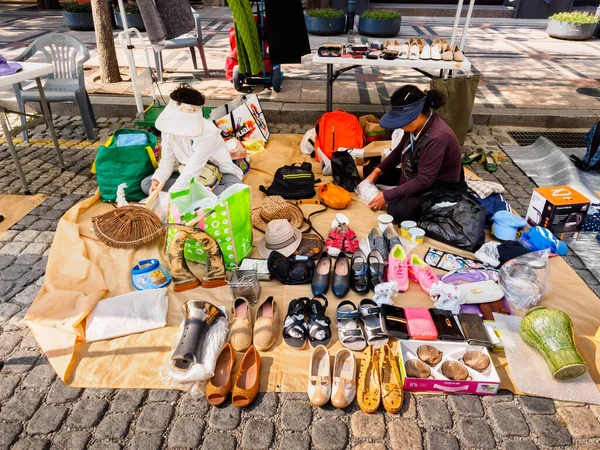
(404, 208)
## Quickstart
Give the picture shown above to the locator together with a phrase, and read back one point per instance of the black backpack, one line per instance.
(293, 182)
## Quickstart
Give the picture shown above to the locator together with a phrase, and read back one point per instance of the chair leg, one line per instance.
(200, 46)
(21, 105)
(194, 60)
(159, 66)
(89, 105)
(87, 114)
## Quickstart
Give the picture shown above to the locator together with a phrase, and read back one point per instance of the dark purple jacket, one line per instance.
(435, 160)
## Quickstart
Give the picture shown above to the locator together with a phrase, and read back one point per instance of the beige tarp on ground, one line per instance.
(15, 207)
(81, 271)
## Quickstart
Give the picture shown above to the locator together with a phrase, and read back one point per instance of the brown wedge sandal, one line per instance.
(368, 393)
(392, 392)
(219, 385)
(245, 388)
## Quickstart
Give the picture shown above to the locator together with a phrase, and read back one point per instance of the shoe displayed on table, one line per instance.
(218, 387)
(425, 51)
(398, 267)
(241, 325)
(490, 163)
(319, 325)
(391, 237)
(294, 325)
(413, 52)
(320, 280)
(368, 391)
(447, 54)
(340, 282)
(470, 158)
(376, 268)
(344, 379)
(436, 50)
(420, 272)
(360, 273)
(350, 332)
(392, 392)
(370, 314)
(458, 54)
(377, 242)
(245, 388)
(319, 376)
(404, 49)
(266, 325)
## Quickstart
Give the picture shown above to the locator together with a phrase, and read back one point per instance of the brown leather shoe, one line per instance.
(266, 325)
(392, 392)
(241, 325)
(219, 385)
(245, 388)
(368, 393)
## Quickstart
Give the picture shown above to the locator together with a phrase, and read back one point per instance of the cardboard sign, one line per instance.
(242, 118)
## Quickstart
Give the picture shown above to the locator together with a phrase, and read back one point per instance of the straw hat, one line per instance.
(273, 208)
(280, 236)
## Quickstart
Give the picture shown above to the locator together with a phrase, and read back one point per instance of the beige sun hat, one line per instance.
(280, 236)
(273, 208)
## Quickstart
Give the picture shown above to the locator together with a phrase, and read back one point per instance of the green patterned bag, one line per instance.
(230, 223)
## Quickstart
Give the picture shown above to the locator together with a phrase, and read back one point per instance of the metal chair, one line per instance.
(67, 84)
(183, 42)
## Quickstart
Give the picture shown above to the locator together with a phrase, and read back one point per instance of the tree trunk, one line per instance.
(48, 4)
(109, 66)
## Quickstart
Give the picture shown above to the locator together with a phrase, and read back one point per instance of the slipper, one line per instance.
(490, 163)
(294, 327)
(475, 155)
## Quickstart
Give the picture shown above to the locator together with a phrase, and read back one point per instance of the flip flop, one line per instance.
(490, 163)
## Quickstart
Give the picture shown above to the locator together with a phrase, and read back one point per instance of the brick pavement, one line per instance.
(38, 411)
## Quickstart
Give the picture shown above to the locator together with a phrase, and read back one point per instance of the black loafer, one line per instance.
(376, 268)
(340, 285)
(320, 281)
(360, 273)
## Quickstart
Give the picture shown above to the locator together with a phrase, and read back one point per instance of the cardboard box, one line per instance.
(480, 383)
(561, 209)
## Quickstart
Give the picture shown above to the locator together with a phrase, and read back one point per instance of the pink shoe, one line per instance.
(398, 267)
(420, 272)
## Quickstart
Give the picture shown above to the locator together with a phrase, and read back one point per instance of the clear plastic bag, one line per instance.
(366, 191)
(526, 279)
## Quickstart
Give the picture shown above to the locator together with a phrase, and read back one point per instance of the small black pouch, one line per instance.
(445, 323)
(290, 270)
(393, 322)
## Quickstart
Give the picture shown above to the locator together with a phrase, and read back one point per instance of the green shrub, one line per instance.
(326, 13)
(575, 17)
(77, 7)
(381, 14)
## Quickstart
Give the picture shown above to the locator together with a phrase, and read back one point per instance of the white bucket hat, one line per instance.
(280, 236)
(181, 119)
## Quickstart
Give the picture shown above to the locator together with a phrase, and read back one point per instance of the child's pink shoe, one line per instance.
(398, 267)
(420, 272)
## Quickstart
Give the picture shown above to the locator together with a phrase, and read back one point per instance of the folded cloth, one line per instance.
(483, 189)
(540, 238)
(166, 19)
(8, 68)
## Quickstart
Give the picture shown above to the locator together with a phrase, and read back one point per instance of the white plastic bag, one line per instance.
(366, 191)
(126, 314)
(526, 279)
(307, 145)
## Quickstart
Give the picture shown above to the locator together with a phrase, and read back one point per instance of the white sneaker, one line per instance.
(404, 51)
(426, 52)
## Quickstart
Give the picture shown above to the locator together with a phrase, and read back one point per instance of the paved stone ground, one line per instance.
(520, 66)
(38, 411)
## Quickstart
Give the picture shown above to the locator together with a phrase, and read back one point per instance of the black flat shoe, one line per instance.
(340, 284)
(320, 280)
(360, 273)
(376, 268)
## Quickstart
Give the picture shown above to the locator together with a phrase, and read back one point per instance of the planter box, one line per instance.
(81, 21)
(379, 28)
(325, 27)
(133, 21)
(571, 31)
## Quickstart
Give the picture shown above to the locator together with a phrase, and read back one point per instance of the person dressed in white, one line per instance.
(189, 141)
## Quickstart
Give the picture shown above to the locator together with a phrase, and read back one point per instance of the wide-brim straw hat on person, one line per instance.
(273, 208)
(181, 119)
(281, 237)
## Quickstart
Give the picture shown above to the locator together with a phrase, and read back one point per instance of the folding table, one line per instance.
(30, 71)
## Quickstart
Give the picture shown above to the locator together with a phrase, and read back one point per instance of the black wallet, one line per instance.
(393, 322)
(447, 328)
(474, 330)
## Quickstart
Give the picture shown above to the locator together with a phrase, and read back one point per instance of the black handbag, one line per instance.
(290, 270)
(344, 171)
(293, 182)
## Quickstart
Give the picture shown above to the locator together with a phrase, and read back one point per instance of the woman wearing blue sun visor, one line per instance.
(429, 155)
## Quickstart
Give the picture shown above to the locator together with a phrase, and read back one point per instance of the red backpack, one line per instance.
(338, 129)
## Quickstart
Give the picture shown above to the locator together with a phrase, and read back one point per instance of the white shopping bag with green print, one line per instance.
(229, 224)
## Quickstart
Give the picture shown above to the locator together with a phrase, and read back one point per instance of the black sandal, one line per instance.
(297, 307)
(316, 312)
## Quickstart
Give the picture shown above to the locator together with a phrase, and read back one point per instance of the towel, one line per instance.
(250, 58)
(166, 19)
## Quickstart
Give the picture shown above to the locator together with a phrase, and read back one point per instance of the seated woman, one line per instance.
(189, 141)
(429, 153)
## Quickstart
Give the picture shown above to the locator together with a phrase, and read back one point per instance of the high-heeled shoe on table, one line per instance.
(436, 50)
(241, 325)
(458, 54)
(368, 391)
(245, 388)
(392, 392)
(319, 377)
(218, 387)
(344, 379)
(266, 325)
